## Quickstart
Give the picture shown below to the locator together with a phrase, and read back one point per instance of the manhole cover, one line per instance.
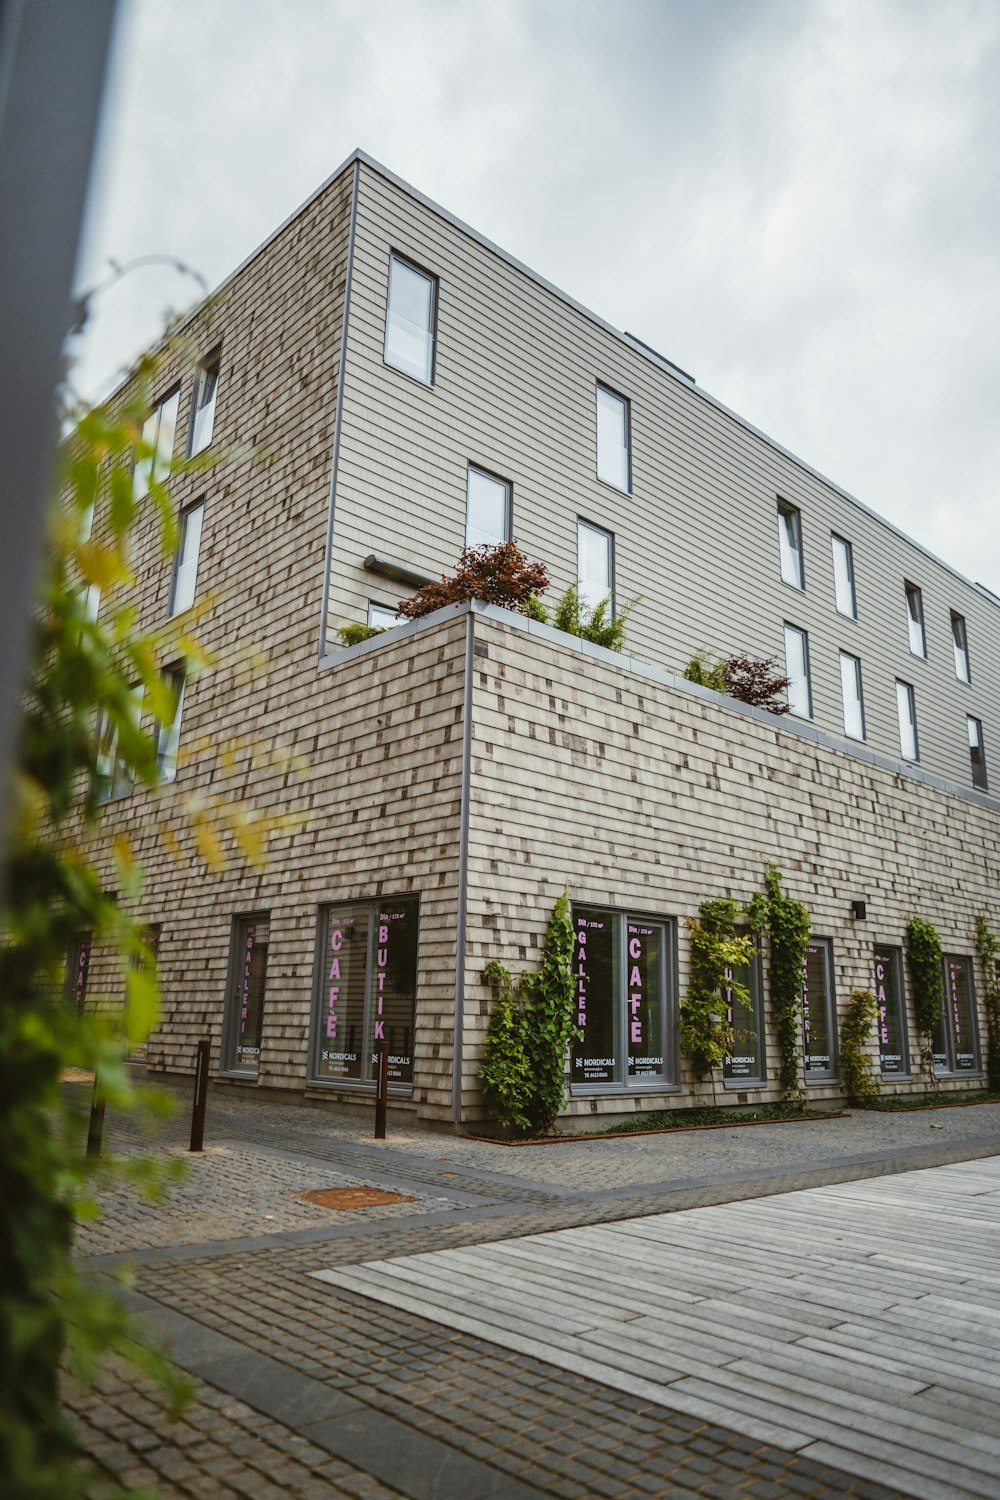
(353, 1197)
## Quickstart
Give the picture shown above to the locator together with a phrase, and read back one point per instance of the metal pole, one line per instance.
(381, 1088)
(95, 1130)
(200, 1102)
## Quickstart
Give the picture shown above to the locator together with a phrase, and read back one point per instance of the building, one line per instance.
(413, 387)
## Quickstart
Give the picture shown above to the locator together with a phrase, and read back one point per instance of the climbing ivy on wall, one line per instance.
(788, 925)
(716, 950)
(860, 1083)
(524, 1058)
(923, 956)
(988, 949)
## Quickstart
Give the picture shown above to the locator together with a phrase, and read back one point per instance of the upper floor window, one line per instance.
(410, 319)
(488, 514)
(158, 433)
(169, 736)
(186, 559)
(206, 389)
(843, 577)
(790, 545)
(961, 643)
(977, 754)
(797, 671)
(115, 776)
(614, 440)
(915, 620)
(382, 616)
(854, 703)
(595, 550)
(907, 710)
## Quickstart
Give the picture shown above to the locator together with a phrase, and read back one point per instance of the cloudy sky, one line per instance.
(796, 200)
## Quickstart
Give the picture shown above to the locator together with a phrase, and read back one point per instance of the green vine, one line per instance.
(716, 950)
(787, 924)
(988, 949)
(524, 1058)
(860, 1083)
(923, 956)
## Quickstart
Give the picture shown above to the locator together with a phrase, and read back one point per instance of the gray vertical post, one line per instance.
(95, 1130)
(381, 1088)
(200, 1101)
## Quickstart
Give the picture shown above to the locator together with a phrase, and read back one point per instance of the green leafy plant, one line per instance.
(600, 623)
(925, 963)
(788, 925)
(860, 1083)
(706, 673)
(500, 575)
(524, 1059)
(716, 950)
(750, 679)
(988, 949)
(353, 633)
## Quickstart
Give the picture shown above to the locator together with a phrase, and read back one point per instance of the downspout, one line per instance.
(463, 873)
(338, 419)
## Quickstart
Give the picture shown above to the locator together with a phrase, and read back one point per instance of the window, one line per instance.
(410, 319)
(367, 990)
(854, 705)
(77, 970)
(614, 441)
(149, 937)
(797, 671)
(169, 736)
(893, 1059)
(244, 1019)
(158, 432)
(624, 1008)
(907, 710)
(977, 754)
(954, 1043)
(206, 389)
(819, 1013)
(745, 1066)
(960, 641)
(595, 553)
(186, 559)
(790, 545)
(915, 620)
(843, 577)
(489, 506)
(115, 777)
(382, 616)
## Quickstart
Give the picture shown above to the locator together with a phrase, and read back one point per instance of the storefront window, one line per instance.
(621, 966)
(77, 970)
(745, 1067)
(891, 1020)
(367, 991)
(245, 1002)
(819, 1016)
(955, 1042)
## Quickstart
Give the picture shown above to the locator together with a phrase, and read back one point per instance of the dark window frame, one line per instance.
(435, 280)
(790, 625)
(851, 576)
(785, 508)
(912, 592)
(472, 467)
(609, 390)
(604, 531)
(229, 1066)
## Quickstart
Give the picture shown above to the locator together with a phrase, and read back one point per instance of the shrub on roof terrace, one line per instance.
(749, 679)
(500, 575)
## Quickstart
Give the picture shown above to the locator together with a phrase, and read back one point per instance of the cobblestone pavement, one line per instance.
(336, 1392)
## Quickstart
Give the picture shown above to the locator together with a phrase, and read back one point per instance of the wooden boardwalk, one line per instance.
(858, 1324)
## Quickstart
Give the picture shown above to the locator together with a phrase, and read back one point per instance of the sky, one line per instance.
(798, 201)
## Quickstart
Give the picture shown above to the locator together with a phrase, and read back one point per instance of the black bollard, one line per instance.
(381, 1088)
(200, 1101)
(95, 1130)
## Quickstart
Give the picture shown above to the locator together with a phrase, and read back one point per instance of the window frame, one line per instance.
(787, 511)
(757, 1080)
(913, 760)
(822, 1076)
(850, 580)
(168, 734)
(670, 1080)
(474, 468)
(78, 961)
(362, 1085)
(184, 520)
(797, 629)
(848, 656)
(374, 605)
(229, 1066)
(154, 471)
(890, 955)
(418, 270)
(982, 783)
(213, 360)
(914, 594)
(582, 524)
(947, 1020)
(119, 780)
(960, 648)
(599, 386)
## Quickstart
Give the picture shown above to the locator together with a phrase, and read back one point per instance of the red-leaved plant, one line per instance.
(500, 575)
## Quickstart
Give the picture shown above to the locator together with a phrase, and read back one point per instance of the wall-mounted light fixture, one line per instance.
(859, 910)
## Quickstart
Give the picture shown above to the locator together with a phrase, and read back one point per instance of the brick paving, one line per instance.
(474, 1418)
